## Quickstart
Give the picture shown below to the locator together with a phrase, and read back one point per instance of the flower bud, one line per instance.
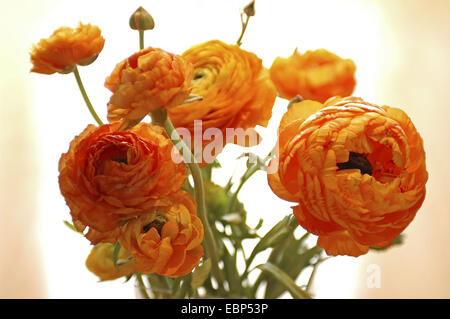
(249, 10)
(216, 199)
(141, 20)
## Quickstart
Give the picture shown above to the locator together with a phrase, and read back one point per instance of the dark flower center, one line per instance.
(198, 76)
(157, 223)
(119, 159)
(357, 161)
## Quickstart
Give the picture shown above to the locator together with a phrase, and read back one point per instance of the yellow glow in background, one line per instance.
(402, 52)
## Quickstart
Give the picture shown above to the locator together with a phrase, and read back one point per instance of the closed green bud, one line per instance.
(141, 20)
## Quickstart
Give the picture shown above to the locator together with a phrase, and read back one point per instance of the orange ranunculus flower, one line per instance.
(148, 80)
(357, 171)
(167, 240)
(315, 75)
(236, 90)
(108, 176)
(66, 48)
(100, 262)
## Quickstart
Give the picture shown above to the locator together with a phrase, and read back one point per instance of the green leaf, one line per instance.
(121, 262)
(285, 280)
(200, 274)
(72, 227)
(273, 237)
(254, 160)
(399, 240)
(231, 272)
(116, 254)
(127, 278)
(259, 225)
(185, 288)
(215, 164)
(292, 264)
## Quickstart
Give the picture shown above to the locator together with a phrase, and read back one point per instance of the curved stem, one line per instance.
(210, 244)
(244, 27)
(85, 97)
(142, 287)
(250, 171)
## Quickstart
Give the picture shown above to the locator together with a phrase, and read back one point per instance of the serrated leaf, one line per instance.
(285, 280)
(200, 274)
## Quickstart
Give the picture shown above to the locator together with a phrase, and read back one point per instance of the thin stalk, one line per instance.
(244, 27)
(142, 287)
(141, 39)
(210, 244)
(85, 97)
(311, 277)
(248, 173)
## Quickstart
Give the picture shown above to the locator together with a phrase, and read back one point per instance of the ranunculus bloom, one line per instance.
(108, 176)
(235, 87)
(167, 240)
(100, 262)
(66, 48)
(315, 75)
(148, 80)
(357, 171)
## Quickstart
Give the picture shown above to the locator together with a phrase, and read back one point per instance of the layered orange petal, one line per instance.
(108, 176)
(66, 48)
(148, 80)
(356, 169)
(236, 90)
(167, 240)
(315, 75)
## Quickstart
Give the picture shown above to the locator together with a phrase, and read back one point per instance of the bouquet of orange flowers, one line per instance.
(142, 193)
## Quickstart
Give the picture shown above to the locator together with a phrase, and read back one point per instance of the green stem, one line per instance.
(248, 173)
(85, 97)
(141, 39)
(207, 172)
(142, 287)
(244, 27)
(311, 277)
(210, 244)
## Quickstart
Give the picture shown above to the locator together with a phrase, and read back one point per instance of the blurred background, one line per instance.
(402, 52)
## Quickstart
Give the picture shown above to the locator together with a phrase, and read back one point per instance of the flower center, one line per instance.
(119, 159)
(356, 161)
(198, 75)
(157, 223)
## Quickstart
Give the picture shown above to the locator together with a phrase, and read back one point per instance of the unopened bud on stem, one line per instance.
(141, 20)
(249, 10)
